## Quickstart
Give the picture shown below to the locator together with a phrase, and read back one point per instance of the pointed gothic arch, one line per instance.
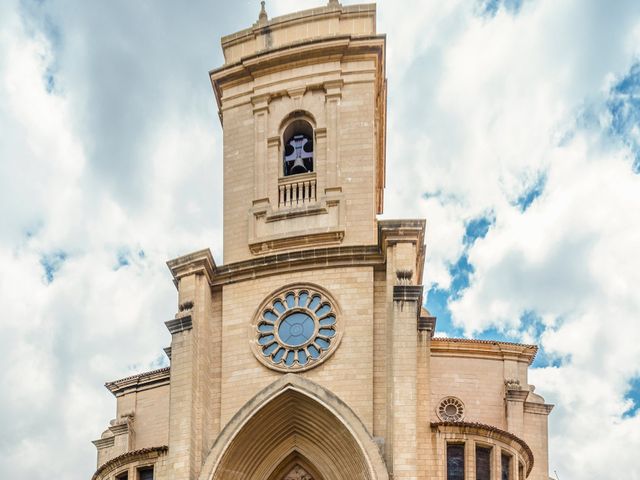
(294, 420)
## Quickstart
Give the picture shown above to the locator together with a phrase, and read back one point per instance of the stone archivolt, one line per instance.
(295, 417)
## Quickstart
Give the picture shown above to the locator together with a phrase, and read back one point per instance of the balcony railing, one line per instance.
(297, 190)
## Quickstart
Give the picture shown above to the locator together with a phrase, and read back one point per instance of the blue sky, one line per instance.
(513, 128)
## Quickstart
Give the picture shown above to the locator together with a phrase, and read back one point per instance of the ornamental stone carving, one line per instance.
(296, 328)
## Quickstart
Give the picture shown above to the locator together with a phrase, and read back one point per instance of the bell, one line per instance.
(298, 166)
(298, 155)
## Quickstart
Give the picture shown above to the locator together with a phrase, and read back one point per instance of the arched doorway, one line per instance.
(294, 427)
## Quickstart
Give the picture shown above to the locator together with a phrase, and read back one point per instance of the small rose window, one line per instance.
(295, 329)
(451, 409)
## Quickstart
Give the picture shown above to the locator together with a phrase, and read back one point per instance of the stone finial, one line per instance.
(263, 17)
(512, 384)
(334, 3)
(404, 277)
(188, 305)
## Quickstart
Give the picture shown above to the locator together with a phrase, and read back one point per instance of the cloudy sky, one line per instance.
(514, 129)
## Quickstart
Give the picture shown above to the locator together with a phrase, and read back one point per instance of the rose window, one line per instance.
(451, 409)
(295, 329)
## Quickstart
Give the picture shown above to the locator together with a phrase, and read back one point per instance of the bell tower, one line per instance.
(302, 102)
(307, 354)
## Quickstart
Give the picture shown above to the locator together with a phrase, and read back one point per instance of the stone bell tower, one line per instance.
(302, 102)
(307, 354)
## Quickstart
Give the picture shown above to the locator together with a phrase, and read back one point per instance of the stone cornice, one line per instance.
(199, 263)
(322, 257)
(296, 17)
(461, 347)
(538, 408)
(488, 431)
(389, 232)
(517, 395)
(141, 381)
(142, 454)
(104, 442)
(120, 428)
(427, 324)
(311, 51)
(407, 293)
(179, 324)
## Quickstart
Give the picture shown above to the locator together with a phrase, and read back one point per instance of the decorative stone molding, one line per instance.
(463, 347)
(426, 322)
(148, 454)
(450, 409)
(487, 434)
(512, 384)
(389, 232)
(298, 473)
(404, 277)
(407, 293)
(198, 263)
(186, 306)
(106, 442)
(167, 352)
(295, 404)
(296, 328)
(304, 225)
(538, 408)
(139, 382)
(179, 324)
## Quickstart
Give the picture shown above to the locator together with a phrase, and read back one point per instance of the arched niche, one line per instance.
(294, 419)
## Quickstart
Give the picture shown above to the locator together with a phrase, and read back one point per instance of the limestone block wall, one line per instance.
(479, 383)
(348, 373)
(151, 420)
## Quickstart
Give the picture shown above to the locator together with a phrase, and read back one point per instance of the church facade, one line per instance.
(307, 355)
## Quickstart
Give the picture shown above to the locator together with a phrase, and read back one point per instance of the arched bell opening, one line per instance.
(298, 151)
(294, 422)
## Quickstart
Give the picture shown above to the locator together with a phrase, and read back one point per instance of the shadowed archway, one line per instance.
(294, 421)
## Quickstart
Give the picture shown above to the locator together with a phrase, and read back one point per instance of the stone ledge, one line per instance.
(407, 293)
(179, 324)
(427, 324)
(538, 408)
(141, 381)
(471, 348)
(389, 231)
(104, 442)
(200, 262)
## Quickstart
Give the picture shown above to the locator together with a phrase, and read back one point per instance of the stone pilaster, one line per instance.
(426, 329)
(515, 396)
(404, 361)
(190, 388)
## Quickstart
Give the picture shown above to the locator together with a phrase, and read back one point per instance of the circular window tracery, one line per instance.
(451, 409)
(296, 328)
